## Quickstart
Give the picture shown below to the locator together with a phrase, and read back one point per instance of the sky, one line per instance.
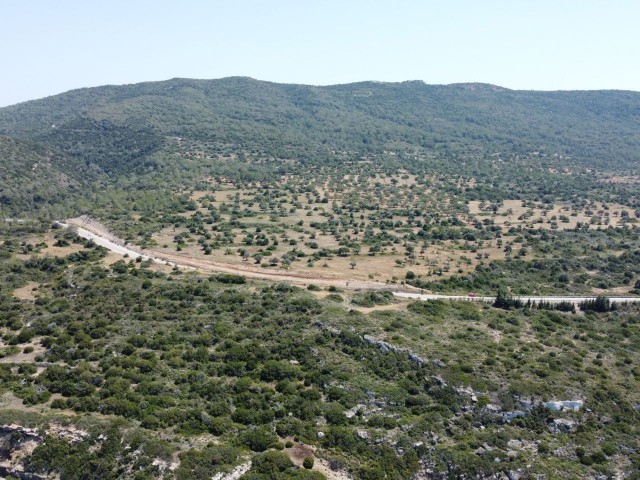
(49, 47)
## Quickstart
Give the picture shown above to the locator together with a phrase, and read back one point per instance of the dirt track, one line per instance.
(90, 229)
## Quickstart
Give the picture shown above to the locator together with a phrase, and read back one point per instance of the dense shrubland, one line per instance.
(186, 356)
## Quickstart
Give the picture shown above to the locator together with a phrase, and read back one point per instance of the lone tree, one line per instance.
(308, 463)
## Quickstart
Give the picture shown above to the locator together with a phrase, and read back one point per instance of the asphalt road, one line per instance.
(534, 299)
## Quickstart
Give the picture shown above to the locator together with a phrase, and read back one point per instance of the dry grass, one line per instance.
(22, 357)
(510, 211)
(297, 212)
(623, 180)
(28, 292)
(380, 308)
(51, 250)
(300, 451)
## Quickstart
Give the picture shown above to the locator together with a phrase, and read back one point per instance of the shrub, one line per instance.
(271, 463)
(259, 440)
(334, 297)
(229, 278)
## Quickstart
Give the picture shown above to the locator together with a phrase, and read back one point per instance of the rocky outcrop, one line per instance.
(568, 405)
(16, 444)
(561, 425)
(386, 347)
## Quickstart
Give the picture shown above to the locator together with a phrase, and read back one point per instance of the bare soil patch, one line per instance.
(382, 308)
(300, 451)
(28, 292)
(22, 357)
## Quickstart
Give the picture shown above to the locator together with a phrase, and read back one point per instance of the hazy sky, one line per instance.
(50, 46)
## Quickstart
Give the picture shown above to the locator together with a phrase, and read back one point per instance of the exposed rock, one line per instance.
(17, 443)
(526, 405)
(466, 391)
(561, 425)
(234, 474)
(386, 347)
(327, 327)
(439, 380)
(68, 432)
(604, 420)
(417, 359)
(438, 363)
(565, 452)
(558, 406)
(382, 345)
(514, 444)
(508, 416)
(353, 411)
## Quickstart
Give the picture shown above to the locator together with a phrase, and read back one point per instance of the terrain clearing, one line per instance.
(27, 292)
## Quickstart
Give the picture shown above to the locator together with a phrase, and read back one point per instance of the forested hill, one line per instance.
(118, 128)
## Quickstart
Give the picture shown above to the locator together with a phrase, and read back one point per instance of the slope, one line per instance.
(32, 178)
(120, 128)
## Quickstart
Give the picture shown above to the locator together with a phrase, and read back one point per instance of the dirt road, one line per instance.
(93, 230)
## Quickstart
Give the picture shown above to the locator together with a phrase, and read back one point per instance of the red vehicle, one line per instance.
(472, 295)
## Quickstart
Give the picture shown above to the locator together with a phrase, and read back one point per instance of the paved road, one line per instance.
(109, 244)
(117, 245)
(537, 299)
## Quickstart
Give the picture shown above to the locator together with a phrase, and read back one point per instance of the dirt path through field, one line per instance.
(93, 230)
(90, 229)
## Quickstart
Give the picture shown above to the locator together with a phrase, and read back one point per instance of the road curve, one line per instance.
(100, 235)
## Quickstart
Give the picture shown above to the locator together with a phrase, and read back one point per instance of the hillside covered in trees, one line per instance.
(120, 367)
(121, 129)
